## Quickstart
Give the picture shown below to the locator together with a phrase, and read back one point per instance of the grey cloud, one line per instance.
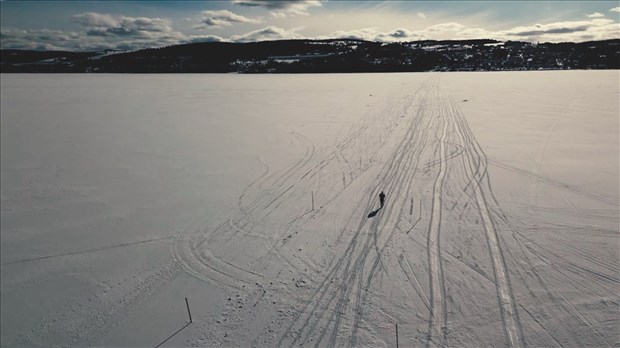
(45, 39)
(275, 4)
(96, 32)
(400, 33)
(222, 18)
(205, 38)
(121, 31)
(102, 31)
(549, 31)
(267, 33)
(103, 25)
(129, 32)
(213, 22)
(368, 34)
(281, 8)
(150, 25)
(555, 28)
(92, 19)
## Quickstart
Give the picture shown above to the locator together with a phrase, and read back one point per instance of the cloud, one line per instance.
(400, 33)
(102, 25)
(434, 32)
(596, 15)
(281, 8)
(547, 30)
(615, 9)
(100, 32)
(49, 40)
(443, 28)
(267, 34)
(220, 18)
(476, 33)
(575, 31)
(421, 15)
(204, 38)
(568, 31)
(92, 19)
(367, 34)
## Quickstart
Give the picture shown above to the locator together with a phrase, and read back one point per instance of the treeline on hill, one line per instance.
(323, 56)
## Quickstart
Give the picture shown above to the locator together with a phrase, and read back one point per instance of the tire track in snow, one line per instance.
(438, 314)
(413, 280)
(252, 184)
(506, 301)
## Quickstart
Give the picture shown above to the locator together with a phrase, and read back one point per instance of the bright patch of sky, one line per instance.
(96, 25)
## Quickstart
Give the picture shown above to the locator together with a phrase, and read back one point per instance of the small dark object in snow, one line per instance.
(465, 100)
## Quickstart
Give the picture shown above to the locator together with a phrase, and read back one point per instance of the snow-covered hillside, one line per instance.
(256, 197)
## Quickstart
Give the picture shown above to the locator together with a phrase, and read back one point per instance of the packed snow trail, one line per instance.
(508, 309)
(438, 316)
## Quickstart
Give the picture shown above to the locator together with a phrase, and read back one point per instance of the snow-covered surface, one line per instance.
(123, 194)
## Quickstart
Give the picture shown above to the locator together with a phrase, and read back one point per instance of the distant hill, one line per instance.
(323, 56)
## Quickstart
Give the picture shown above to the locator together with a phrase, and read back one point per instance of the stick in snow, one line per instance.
(396, 335)
(188, 312)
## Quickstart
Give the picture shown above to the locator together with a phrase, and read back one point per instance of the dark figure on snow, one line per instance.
(382, 198)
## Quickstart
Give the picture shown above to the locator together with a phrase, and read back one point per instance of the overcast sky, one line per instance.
(95, 25)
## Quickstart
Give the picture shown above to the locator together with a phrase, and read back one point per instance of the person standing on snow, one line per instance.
(382, 198)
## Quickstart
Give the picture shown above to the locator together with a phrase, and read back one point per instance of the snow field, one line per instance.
(123, 194)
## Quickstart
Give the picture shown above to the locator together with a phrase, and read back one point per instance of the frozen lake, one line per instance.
(256, 197)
